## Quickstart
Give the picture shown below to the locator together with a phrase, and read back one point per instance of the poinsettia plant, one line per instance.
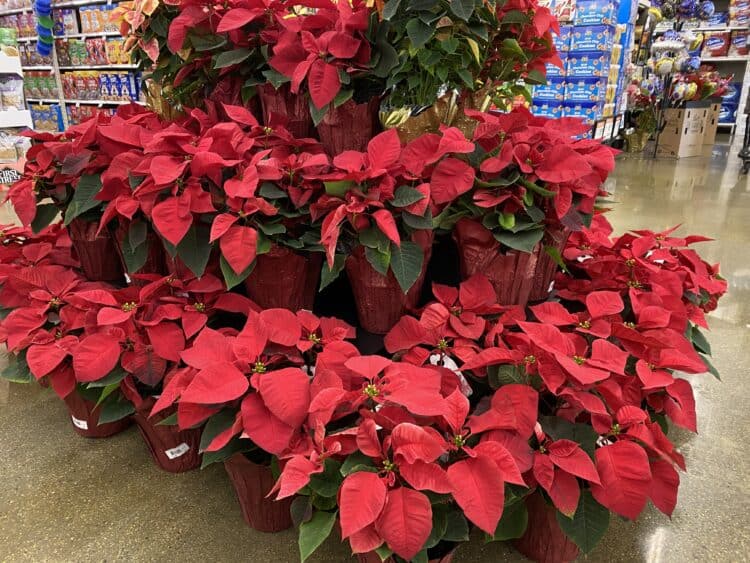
(533, 175)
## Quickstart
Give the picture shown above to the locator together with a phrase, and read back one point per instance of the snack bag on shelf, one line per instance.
(740, 43)
(716, 44)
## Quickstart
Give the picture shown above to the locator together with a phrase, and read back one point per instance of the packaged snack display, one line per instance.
(585, 89)
(562, 41)
(716, 44)
(592, 38)
(589, 112)
(588, 64)
(11, 92)
(547, 109)
(739, 45)
(98, 85)
(553, 91)
(553, 70)
(46, 117)
(595, 12)
(718, 19)
(564, 9)
(40, 84)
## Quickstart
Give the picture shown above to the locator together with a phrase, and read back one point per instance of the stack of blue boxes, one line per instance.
(592, 50)
(729, 102)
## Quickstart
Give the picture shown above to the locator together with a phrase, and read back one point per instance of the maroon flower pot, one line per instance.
(349, 127)
(252, 482)
(98, 254)
(284, 278)
(544, 540)
(172, 449)
(85, 418)
(379, 299)
(510, 273)
(546, 267)
(292, 106)
(373, 557)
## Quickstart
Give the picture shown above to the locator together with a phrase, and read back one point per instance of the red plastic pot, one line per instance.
(511, 273)
(172, 449)
(349, 127)
(546, 267)
(98, 254)
(252, 482)
(373, 557)
(85, 418)
(379, 299)
(284, 278)
(544, 540)
(291, 106)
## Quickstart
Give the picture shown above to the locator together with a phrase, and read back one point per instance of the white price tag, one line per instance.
(177, 451)
(78, 423)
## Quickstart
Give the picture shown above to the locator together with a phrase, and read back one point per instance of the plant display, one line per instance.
(193, 284)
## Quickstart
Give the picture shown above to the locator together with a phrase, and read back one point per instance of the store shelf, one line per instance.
(726, 28)
(10, 65)
(726, 125)
(37, 67)
(43, 100)
(725, 59)
(92, 34)
(70, 4)
(101, 102)
(15, 118)
(98, 67)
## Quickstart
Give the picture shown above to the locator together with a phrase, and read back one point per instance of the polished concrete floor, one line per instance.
(64, 498)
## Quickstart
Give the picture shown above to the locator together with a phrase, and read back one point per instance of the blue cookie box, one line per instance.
(595, 12)
(590, 64)
(562, 41)
(732, 95)
(585, 90)
(553, 110)
(592, 38)
(587, 111)
(554, 91)
(555, 71)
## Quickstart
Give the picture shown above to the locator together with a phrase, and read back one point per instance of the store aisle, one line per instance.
(64, 498)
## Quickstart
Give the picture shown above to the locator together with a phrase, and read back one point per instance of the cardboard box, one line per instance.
(683, 132)
(562, 41)
(585, 89)
(712, 124)
(553, 70)
(553, 110)
(587, 111)
(553, 91)
(588, 64)
(592, 38)
(595, 12)
(716, 44)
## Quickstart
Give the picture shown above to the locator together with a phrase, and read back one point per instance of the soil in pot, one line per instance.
(511, 272)
(97, 253)
(252, 482)
(544, 540)
(284, 278)
(84, 416)
(293, 107)
(172, 449)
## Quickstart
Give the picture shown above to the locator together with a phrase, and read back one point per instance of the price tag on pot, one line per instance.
(78, 423)
(177, 451)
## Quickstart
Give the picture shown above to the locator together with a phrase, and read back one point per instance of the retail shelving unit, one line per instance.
(56, 69)
(12, 118)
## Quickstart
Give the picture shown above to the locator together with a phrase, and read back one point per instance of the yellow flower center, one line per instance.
(129, 306)
(585, 324)
(371, 390)
(579, 360)
(259, 367)
(530, 359)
